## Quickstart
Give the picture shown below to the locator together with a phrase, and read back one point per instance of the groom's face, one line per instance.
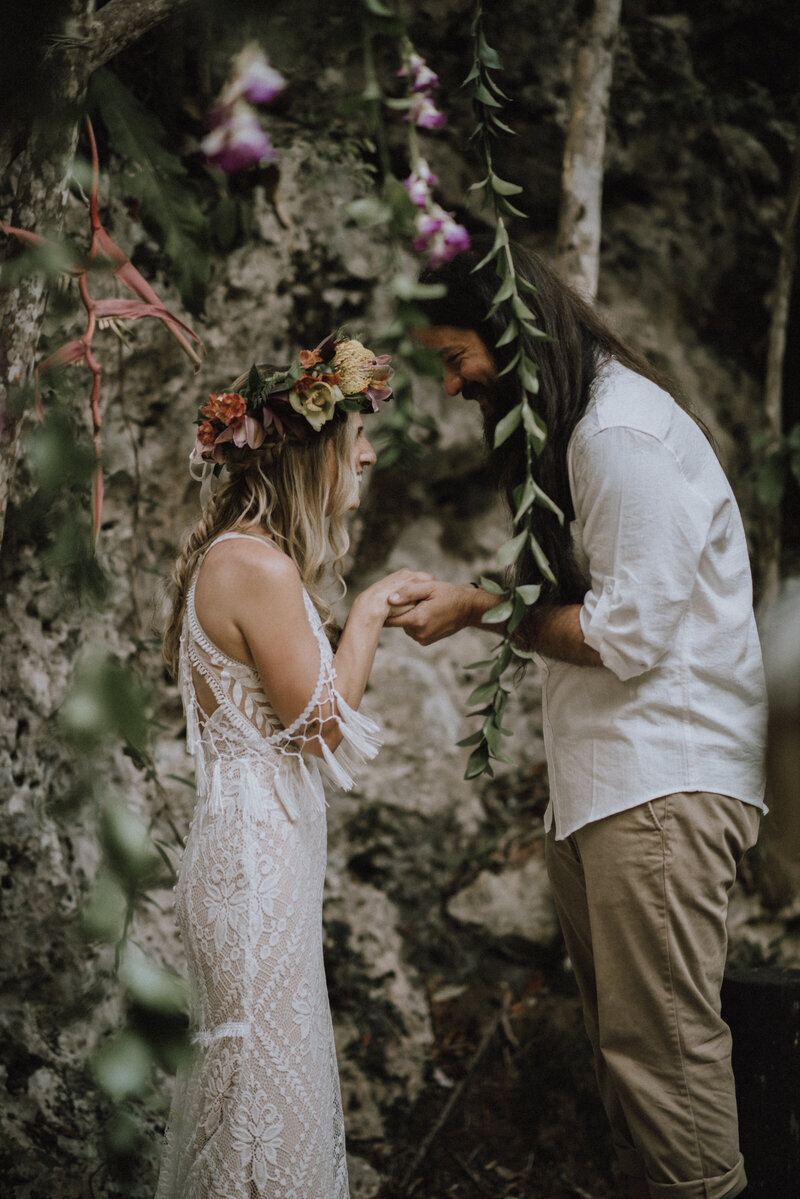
(469, 369)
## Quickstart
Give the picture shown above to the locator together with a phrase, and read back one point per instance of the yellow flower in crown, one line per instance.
(316, 402)
(351, 361)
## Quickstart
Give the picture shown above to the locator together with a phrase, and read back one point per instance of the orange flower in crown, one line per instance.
(340, 375)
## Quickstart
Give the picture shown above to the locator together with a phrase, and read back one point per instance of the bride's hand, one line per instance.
(375, 599)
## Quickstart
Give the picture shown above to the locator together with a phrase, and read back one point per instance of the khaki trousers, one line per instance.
(642, 898)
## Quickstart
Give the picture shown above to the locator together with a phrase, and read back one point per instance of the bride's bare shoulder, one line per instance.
(247, 562)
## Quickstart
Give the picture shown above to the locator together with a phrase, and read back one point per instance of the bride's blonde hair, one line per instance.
(289, 492)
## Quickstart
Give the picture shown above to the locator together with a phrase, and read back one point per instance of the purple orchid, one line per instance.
(419, 184)
(239, 142)
(380, 374)
(253, 78)
(439, 236)
(423, 79)
(424, 113)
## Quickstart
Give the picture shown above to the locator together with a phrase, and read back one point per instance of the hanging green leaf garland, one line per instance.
(492, 696)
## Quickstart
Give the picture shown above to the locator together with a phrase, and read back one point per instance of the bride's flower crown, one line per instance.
(340, 375)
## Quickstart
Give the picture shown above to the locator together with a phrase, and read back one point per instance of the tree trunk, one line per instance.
(85, 43)
(773, 386)
(578, 243)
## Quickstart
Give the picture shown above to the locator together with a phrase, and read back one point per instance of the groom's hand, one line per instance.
(439, 609)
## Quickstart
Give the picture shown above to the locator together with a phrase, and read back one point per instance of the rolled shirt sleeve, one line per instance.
(644, 529)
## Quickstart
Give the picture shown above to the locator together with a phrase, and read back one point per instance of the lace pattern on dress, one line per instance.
(257, 1111)
(245, 721)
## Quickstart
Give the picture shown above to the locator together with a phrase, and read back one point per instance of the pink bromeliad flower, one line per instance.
(419, 184)
(239, 141)
(101, 312)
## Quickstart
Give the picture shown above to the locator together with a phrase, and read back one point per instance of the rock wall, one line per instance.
(437, 915)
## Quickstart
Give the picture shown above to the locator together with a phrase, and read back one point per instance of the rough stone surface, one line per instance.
(515, 903)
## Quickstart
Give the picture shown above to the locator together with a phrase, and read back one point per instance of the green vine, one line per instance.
(515, 599)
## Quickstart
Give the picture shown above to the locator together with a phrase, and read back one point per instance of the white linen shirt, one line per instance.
(679, 704)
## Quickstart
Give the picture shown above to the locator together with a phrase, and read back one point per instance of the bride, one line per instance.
(271, 689)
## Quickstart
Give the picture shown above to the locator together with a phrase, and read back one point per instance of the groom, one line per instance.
(653, 707)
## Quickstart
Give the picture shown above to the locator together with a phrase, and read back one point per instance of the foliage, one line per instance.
(390, 206)
(776, 461)
(168, 201)
(513, 601)
(106, 709)
(103, 312)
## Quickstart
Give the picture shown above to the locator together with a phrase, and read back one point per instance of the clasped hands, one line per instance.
(431, 609)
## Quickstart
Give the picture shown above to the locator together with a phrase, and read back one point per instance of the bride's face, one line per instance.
(362, 454)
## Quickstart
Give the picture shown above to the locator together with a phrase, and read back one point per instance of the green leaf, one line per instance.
(522, 310)
(771, 480)
(484, 664)
(478, 762)
(527, 654)
(511, 331)
(407, 288)
(473, 739)
(503, 187)
(523, 497)
(511, 550)
(504, 292)
(474, 74)
(378, 9)
(529, 375)
(498, 614)
(495, 88)
(368, 211)
(485, 97)
(508, 208)
(530, 592)
(492, 587)
(541, 560)
(510, 365)
(482, 694)
(500, 240)
(123, 1068)
(517, 615)
(488, 55)
(224, 222)
(473, 187)
(127, 842)
(533, 425)
(150, 985)
(544, 501)
(253, 381)
(494, 121)
(760, 441)
(104, 913)
(524, 285)
(507, 425)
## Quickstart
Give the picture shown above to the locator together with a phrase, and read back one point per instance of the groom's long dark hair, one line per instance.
(578, 344)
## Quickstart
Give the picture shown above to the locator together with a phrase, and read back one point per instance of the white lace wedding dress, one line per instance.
(257, 1112)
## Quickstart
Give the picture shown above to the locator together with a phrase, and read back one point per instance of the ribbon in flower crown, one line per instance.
(340, 375)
